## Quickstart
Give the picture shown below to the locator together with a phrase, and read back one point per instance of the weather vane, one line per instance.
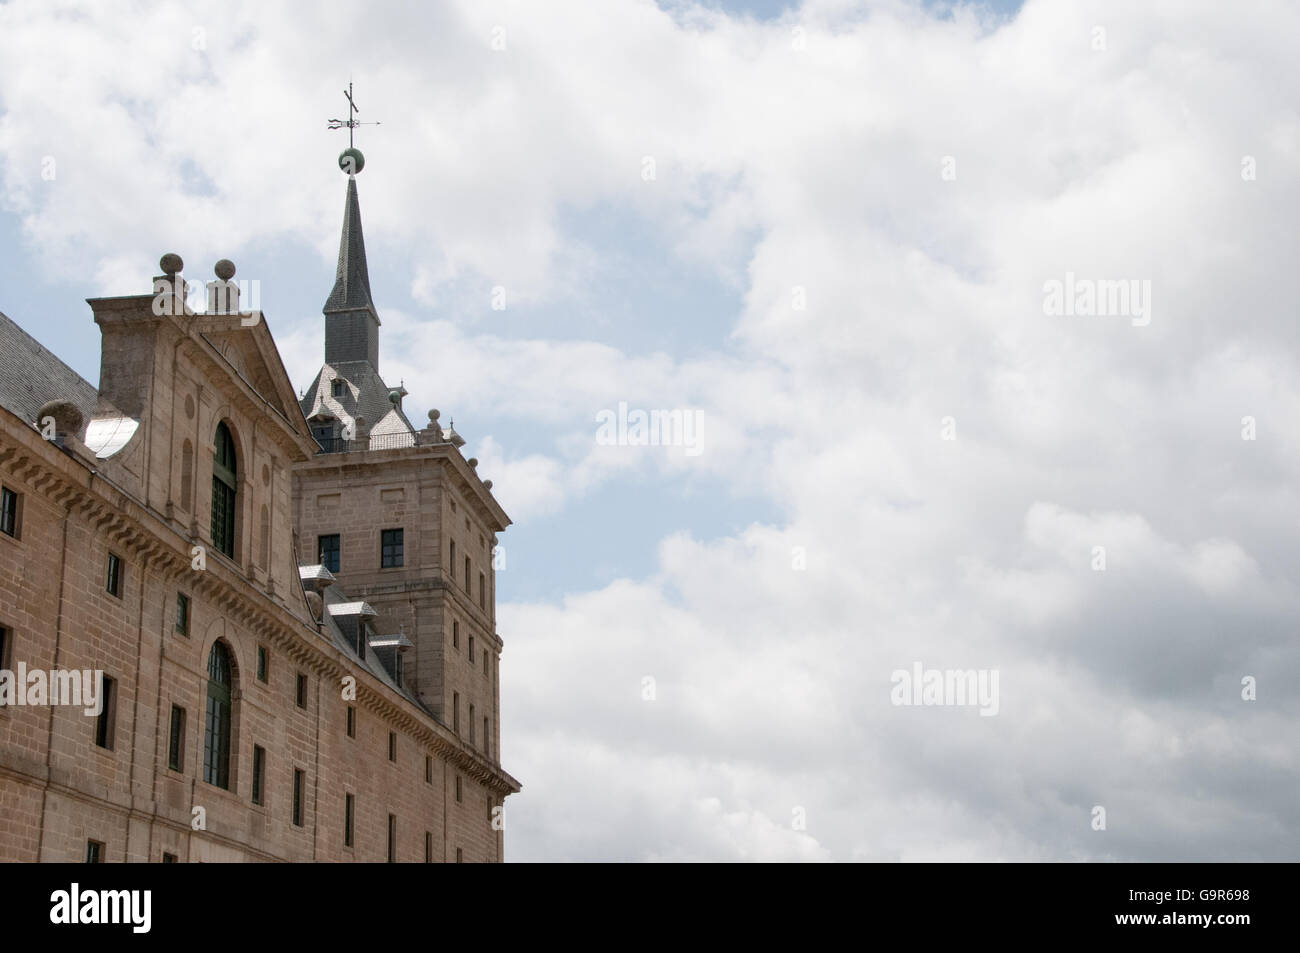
(351, 160)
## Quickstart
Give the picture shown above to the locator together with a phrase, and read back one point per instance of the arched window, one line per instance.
(216, 726)
(224, 472)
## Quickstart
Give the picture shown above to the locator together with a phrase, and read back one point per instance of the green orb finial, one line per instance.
(351, 160)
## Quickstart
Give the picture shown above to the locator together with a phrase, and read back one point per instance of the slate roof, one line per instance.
(30, 375)
(367, 396)
(374, 662)
(352, 281)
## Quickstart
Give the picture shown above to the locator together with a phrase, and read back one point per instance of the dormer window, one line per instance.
(338, 388)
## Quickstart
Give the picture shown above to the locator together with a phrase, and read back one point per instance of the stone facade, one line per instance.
(134, 486)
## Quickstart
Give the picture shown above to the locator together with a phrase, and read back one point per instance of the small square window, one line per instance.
(259, 773)
(352, 722)
(263, 663)
(113, 584)
(301, 697)
(390, 548)
(168, 858)
(327, 549)
(182, 613)
(94, 852)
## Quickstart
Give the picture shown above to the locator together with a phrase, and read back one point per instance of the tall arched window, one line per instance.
(224, 472)
(216, 727)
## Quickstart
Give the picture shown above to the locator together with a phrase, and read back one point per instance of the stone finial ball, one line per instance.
(352, 161)
(472, 461)
(68, 417)
(225, 269)
(433, 416)
(487, 484)
(171, 263)
(394, 397)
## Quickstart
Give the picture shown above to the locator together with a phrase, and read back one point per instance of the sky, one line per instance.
(979, 309)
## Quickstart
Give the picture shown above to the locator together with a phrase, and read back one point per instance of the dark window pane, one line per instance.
(328, 551)
(391, 548)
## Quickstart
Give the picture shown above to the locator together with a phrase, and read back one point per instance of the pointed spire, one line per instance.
(352, 281)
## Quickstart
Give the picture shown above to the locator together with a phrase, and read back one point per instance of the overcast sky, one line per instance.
(840, 257)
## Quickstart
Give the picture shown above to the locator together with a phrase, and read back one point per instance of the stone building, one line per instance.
(292, 604)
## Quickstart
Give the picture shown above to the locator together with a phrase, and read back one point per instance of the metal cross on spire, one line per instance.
(350, 123)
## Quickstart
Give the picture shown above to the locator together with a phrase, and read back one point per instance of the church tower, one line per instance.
(400, 517)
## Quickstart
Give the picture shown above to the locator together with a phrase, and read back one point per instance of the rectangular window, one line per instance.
(471, 649)
(338, 388)
(458, 789)
(455, 712)
(428, 847)
(467, 574)
(390, 554)
(327, 550)
(176, 744)
(182, 613)
(392, 746)
(485, 664)
(299, 779)
(348, 810)
(460, 856)
(168, 858)
(451, 563)
(392, 838)
(455, 634)
(352, 722)
(259, 772)
(94, 852)
(4, 648)
(10, 508)
(487, 745)
(302, 691)
(113, 585)
(263, 663)
(471, 724)
(107, 715)
(482, 591)
(428, 769)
